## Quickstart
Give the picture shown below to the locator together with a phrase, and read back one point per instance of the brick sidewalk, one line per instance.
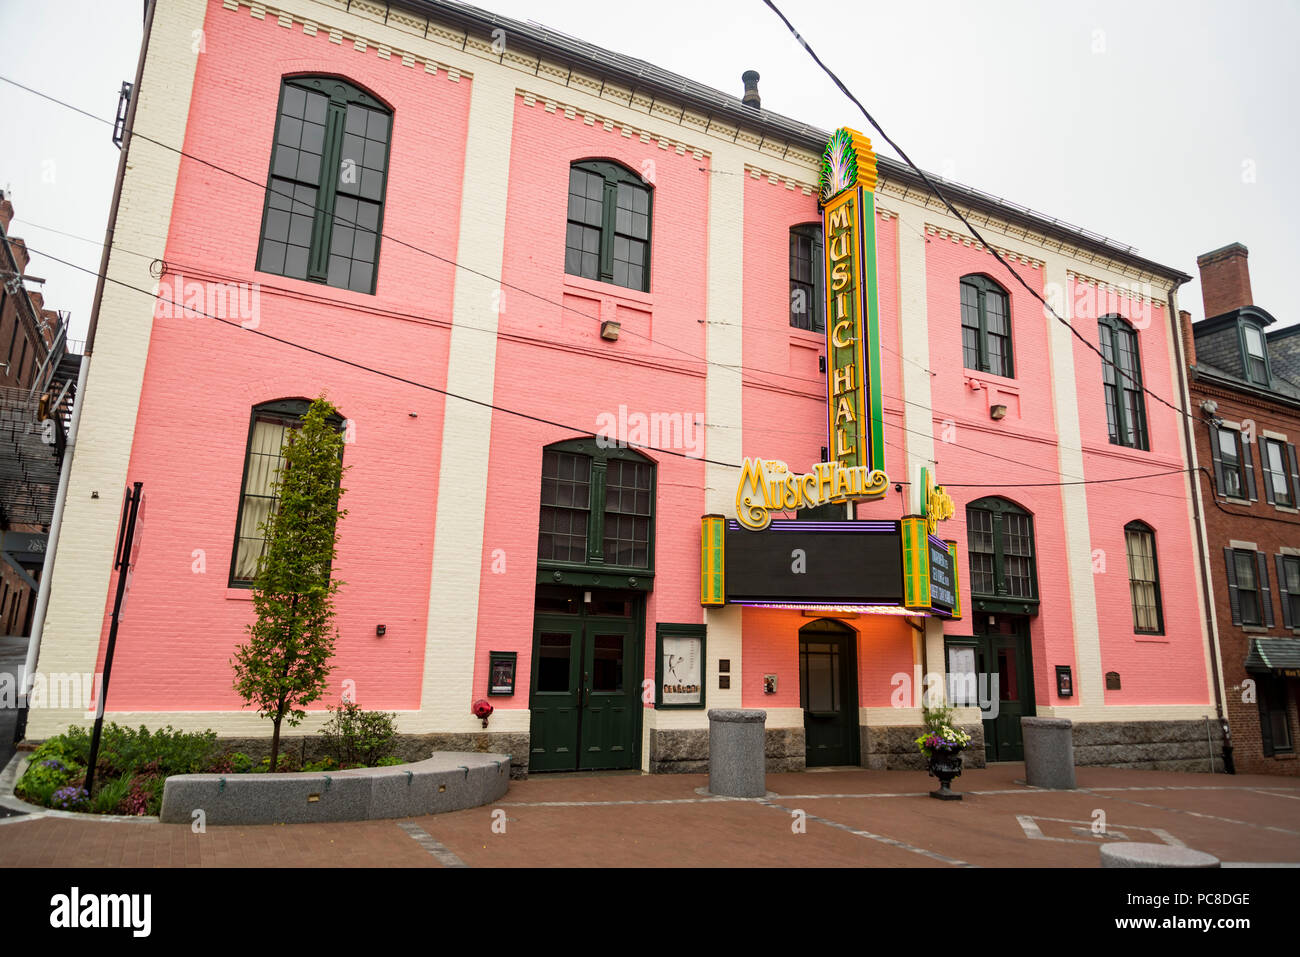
(849, 818)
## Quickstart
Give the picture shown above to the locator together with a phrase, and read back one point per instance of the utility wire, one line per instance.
(737, 368)
(956, 212)
(306, 296)
(489, 405)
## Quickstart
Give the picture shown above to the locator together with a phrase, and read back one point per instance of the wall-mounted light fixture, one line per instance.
(610, 331)
(381, 630)
(997, 412)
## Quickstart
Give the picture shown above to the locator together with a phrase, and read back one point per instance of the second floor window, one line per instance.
(1288, 587)
(1278, 462)
(1121, 373)
(807, 300)
(1248, 592)
(1000, 542)
(597, 506)
(985, 326)
(1143, 578)
(325, 198)
(608, 233)
(1234, 470)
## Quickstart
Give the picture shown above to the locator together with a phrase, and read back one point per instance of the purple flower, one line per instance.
(69, 797)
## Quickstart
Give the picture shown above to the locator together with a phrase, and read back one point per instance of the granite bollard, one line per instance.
(1049, 753)
(737, 762)
(1137, 854)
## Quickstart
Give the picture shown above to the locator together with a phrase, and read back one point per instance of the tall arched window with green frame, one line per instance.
(597, 508)
(608, 233)
(1121, 374)
(986, 327)
(1000, 547)
(325, 193)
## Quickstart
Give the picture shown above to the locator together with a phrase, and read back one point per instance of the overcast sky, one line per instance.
(1168, 125)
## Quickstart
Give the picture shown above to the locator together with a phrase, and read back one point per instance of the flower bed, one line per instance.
(133, 765)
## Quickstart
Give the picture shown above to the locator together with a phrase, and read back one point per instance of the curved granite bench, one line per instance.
(448, 781)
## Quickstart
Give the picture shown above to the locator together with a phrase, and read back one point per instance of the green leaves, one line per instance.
(284, 665)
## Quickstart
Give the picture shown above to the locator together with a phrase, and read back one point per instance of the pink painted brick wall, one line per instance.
(203, 378)
(552, 362)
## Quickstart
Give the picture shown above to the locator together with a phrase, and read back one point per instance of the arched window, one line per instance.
(1121, 374)
(608, 234)
(597, 507)
(1000, 545)
(807, 300)
(325, 196)
(1143, 578)
(985, 326)
(271, 425)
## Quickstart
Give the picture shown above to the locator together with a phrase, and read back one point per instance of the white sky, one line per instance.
(1169, 125)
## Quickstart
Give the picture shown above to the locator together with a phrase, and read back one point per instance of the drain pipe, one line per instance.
(56, 523)
(47, 566)
(1194, 477)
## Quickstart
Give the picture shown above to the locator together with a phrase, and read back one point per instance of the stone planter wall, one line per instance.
(1149, 745)
(893, 747)
(410, 747)
(686, 750)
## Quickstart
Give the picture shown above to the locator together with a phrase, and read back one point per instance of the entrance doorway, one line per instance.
(828, 693)
(1002, 652)
(586, 680)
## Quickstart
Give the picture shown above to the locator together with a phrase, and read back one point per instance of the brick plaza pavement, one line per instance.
(844, 818)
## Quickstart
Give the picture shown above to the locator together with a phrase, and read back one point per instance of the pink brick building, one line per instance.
(495, 250)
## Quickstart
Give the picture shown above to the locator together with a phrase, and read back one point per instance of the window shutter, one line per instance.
(1217, 457)
(1265, 725)
(1295, 476)
(1266, 471)
(1282, 593)
(1265, 596)
(1233, 601)
(1250, 469)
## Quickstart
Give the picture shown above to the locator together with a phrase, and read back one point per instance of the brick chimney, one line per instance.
(6, 211)
(1225, 280)
(1189, 341)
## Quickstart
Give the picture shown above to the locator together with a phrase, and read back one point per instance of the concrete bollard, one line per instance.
(1135, 854)
(737, 753)
(1049, 753)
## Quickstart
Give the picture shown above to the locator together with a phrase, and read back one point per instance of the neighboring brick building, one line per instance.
(482, 218)
(29, 334)
(1245, 387)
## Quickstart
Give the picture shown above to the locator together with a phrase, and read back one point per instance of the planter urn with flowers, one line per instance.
(942, 745)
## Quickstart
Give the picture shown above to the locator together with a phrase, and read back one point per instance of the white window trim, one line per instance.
(1243, 546)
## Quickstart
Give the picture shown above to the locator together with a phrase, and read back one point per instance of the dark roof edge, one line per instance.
(1225, 380)
(642, 75)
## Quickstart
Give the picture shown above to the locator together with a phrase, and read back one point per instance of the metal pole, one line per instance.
(129, 510)
(51, 545)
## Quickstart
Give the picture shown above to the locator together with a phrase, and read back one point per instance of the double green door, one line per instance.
(1005, 659)
(585, 695)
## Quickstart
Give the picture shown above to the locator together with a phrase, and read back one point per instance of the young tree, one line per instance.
(285, 662)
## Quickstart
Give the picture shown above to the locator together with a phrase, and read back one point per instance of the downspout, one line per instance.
(1194, 477)
(56, 522)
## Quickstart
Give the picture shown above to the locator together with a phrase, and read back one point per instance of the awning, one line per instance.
(1274, 656)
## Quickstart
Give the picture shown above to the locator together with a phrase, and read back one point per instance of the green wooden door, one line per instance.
(828, 694)
(610, 699)
(585, 694)
(1005, 658)
(555, 698)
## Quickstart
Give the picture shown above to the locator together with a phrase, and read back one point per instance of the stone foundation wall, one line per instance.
(1150, 745)
(893, 748)
(410, 747)
(686, 750)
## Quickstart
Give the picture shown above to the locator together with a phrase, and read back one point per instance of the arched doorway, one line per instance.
(828, 692)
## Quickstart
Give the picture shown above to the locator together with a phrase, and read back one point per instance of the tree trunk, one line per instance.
(275, 743)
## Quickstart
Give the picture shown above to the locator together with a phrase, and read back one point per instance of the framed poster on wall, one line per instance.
(679, 666)
(501, 672)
